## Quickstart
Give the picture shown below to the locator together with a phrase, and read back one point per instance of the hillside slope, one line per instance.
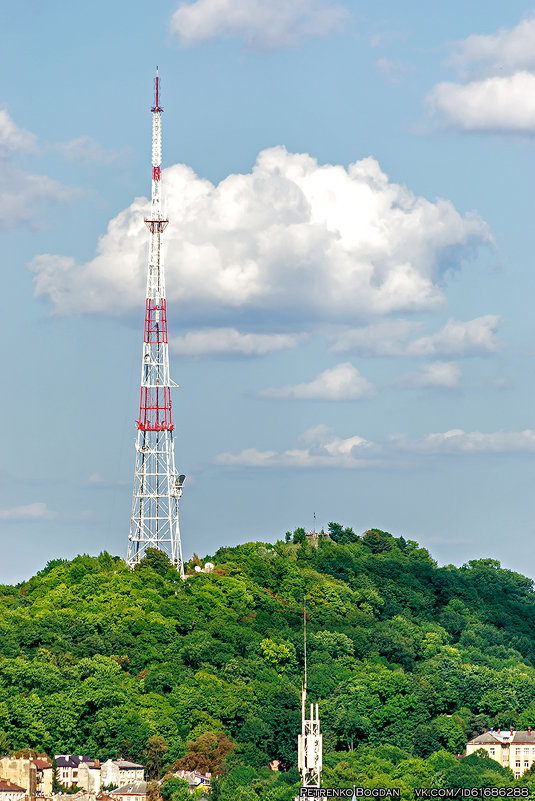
(406, 659)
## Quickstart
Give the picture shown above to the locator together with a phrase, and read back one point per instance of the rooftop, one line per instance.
(133, 788)
(7, 787)
(70, 760)
(42, 764)
(505, 736)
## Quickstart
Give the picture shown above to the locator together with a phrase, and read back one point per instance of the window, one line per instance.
(517, 775)
(492, 750)
(517, 750)
(526, 763)
(517, 763)
(526, 750)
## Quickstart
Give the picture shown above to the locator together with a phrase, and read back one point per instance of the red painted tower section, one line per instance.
(155, 402)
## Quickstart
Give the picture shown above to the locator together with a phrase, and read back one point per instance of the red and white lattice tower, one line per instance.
(157, 487)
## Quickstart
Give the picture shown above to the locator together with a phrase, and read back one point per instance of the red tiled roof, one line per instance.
(7, 787)
(42, 764)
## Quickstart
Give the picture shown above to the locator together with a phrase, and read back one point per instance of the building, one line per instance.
(315, 536)
(133, 791)
(44, 776)
(195, 779)
(89, 776)
(11, 792)
(21, 772)
(67, 768)
(118, 772)
(512, 749)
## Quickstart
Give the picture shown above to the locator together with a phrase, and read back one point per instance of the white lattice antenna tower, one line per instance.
(309, 743)
(157, 487)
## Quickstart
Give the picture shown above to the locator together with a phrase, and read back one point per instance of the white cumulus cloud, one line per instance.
(497, 90)
(13, 138)
(31, 511)
(340, 383)
(508, 50)
(291, 240)
(263, 23)
(398, 338)
(446, 375)
(225, 341)
(500, 104)
(460, 338)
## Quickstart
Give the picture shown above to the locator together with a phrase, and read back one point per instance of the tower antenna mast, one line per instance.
(157, 487)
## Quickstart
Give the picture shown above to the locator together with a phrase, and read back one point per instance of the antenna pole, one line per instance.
(309, 742)
(305, 635)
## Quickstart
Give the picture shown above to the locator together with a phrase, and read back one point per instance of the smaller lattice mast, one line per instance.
(309, 742)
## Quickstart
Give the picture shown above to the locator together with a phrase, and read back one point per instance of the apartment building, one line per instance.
(511, 748)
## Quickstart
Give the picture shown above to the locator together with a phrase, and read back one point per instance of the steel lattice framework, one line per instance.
(157, 487)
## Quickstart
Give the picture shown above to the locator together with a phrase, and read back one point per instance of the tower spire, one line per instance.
(156, 106)
(157, 487)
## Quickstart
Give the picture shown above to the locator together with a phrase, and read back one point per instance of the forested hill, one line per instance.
(406, 659)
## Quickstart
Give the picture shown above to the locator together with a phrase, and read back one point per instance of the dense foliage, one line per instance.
(406, 659)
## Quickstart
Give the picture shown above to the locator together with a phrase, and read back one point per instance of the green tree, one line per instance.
(276, 654)
(155, 559)
(299, 536)
(207, 753)
(154, 752)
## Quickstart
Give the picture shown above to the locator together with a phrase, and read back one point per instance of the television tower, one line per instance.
(309, 742)
(157, 487)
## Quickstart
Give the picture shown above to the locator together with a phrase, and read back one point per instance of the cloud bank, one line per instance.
(292, 240)
(320, 446)
(264, 24)
(397, 337)
(218, 341)
(32, 511)
(458, 441)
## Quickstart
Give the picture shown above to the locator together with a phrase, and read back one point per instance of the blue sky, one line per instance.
(349, 270)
